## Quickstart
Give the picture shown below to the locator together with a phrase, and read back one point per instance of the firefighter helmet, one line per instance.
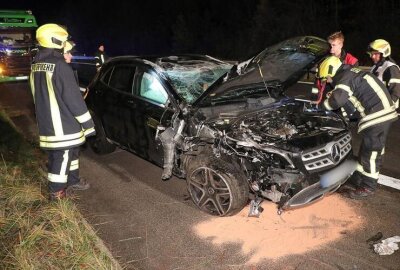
(329, 67)
(51, 36)
(380, 45)
(69, 45)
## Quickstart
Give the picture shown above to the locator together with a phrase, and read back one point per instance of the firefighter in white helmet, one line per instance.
(385, 68)
(370, 98)
(63, 119)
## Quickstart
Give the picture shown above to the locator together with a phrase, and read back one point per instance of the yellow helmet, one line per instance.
(51, 36)
(329, 67)
(380, 45)
(69, 45)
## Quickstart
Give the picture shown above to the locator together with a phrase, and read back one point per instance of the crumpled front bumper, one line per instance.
(329, 182)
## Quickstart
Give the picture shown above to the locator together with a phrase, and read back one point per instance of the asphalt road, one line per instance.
(151, 224)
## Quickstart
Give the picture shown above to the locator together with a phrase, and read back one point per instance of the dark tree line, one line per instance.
(234, 29)
(238, 30)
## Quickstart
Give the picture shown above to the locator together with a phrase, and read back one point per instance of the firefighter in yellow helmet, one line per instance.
(385, 68)
(63, 119)
(375, 112)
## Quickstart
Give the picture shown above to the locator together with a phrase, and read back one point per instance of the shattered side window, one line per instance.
(190, 78)
(122, 78)
(152, 89)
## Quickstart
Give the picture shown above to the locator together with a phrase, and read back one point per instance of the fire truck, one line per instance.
(17, 44)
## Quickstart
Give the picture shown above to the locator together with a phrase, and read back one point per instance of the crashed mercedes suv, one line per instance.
(228, 129)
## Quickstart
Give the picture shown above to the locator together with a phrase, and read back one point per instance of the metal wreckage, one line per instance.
(235, 135)
(279, 151)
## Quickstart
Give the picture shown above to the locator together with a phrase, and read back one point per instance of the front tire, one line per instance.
(216, 187)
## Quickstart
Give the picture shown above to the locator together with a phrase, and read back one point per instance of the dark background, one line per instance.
(231, 29)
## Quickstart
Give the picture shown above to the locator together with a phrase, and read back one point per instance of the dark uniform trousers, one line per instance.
(63, 168)
(370, 156)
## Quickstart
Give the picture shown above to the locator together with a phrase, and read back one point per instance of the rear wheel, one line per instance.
(99, 143)
(216, 187)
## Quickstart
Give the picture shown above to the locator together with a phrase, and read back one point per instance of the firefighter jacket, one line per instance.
(389, 73)
(366, 93)
(100, 58)
(348, 59)
(63, 119)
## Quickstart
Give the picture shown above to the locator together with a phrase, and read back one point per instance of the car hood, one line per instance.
(275, 68)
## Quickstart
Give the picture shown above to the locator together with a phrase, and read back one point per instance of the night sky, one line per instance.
(231, 29)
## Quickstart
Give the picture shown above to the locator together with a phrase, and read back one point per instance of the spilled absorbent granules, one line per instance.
(294, 232)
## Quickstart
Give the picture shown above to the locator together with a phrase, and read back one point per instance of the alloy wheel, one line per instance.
(210, 191)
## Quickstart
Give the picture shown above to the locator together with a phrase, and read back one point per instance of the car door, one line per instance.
(154, 108)
(117, 102)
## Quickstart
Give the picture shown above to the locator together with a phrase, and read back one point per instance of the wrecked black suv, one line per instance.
(228, 129)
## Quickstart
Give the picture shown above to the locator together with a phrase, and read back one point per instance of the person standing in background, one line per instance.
(336, 40)
(100, 57)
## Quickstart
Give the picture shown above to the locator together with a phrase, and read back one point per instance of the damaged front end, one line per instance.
(242, 129)
(285, 151)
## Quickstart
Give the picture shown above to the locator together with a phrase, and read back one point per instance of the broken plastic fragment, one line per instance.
(387, 246)
(255, 207)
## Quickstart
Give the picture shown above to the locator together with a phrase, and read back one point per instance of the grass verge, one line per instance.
(35, 234)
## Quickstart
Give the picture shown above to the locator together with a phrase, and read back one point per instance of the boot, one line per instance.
(350, 185)
(81, 185)
(360, 193)
(58, 195)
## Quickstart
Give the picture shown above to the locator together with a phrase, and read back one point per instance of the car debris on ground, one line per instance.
(387, 246)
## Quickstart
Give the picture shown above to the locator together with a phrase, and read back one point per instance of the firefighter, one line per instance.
(385, 68)
(63, 119)
(100, 57)
(375, 110)
(336, 40)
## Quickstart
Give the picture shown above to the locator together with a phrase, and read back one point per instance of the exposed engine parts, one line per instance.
(276, 125)
(268, 145)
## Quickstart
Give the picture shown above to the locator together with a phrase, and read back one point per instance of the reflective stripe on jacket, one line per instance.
(100, 58)
(366, 93)
(389, 73)
(62, 116)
